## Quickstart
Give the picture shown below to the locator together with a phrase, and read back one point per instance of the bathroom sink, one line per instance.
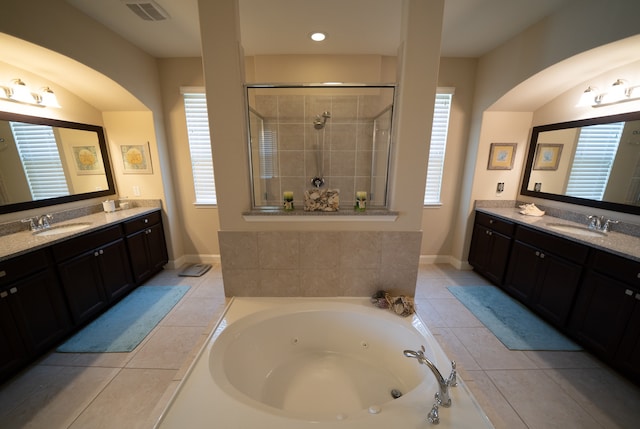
(576, 229)
(63, 229)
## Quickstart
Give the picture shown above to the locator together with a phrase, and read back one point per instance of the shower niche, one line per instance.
(319, 137)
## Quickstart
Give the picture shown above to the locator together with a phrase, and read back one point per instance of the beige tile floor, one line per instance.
(129, 390)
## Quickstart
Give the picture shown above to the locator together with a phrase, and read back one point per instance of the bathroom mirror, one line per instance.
(591, 162)
(46, 161)
(328, 136)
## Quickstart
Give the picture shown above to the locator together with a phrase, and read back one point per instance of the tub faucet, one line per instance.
(442, 397)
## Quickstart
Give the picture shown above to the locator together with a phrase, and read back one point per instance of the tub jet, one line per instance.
(395, 393)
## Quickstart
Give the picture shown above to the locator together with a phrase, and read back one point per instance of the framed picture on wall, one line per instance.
(547, 156)
(136, 159)
(501, 156)
(87, 160)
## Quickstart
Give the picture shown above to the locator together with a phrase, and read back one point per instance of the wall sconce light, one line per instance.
(618, 92)
(19, 92)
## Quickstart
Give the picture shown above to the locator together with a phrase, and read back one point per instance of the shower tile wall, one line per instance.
(319, 263)
(342, 152)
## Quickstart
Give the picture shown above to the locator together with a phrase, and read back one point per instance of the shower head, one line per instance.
(321, 120)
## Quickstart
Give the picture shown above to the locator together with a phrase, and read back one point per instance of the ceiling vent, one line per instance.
(147, 10)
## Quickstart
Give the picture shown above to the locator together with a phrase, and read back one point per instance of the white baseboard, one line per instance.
(445, 259)
(192, 259)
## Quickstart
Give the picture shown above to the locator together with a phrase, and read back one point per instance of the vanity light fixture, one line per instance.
(19, 92)
(318, 36)
(618, 92)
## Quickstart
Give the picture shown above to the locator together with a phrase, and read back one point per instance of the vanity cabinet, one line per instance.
(490, 246)
(544, 273)
(33, 313)
(95, 271)
(146, 244)
(606, 318)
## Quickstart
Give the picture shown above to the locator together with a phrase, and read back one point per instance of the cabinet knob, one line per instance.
(490, 220)
(146, 221)
(629, 292)
(13, 290)
(148, 231)
(537, 253)
(4, 294)
(638, 296)
(95, 253)
(541, 255)
(4, 273)
(101, 252)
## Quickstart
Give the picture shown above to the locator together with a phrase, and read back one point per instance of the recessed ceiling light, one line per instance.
(318, 36)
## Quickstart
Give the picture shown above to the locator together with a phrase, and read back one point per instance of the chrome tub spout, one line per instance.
(442, 397)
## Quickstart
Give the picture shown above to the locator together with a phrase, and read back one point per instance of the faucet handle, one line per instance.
(608, 223)
(453, 377)
(433, 416)
(32, 225)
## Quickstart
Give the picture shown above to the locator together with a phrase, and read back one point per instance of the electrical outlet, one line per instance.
(500, 187)
(136, 190)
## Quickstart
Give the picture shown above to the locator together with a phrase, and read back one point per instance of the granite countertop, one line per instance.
(18, 243)
(624, 245)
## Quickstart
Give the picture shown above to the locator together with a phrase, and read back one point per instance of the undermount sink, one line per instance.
(576, 229)
(63, 229)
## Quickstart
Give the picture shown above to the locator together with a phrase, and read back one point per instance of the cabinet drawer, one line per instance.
(559, 246)
(84, 243)
(495, 223)
(623, 269)
(142, 222)
(21, 266)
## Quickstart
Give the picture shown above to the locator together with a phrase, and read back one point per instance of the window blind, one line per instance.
(595, 152)
(195, 104)
(437, 149)
(40, 160)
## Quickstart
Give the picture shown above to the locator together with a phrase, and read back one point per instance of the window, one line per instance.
(595, 152)
(438, 146)
(40, 160)
(195, 106)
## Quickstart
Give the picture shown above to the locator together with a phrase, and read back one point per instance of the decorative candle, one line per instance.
(361, 201)
(288, 200)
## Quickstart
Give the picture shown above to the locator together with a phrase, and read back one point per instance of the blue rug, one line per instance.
(127, 323)
(511, 322)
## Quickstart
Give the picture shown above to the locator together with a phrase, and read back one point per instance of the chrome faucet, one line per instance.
(42, 222)
(442, 396)
(600, 223)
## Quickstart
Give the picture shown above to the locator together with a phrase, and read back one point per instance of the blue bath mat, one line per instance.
(511, 322)
(127, 323)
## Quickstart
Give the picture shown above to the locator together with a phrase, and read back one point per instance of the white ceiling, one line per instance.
(471, 28)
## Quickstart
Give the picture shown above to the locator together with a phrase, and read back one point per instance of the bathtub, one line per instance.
(324, 363)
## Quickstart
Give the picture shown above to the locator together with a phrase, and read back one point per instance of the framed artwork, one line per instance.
(547, 156)
(87, 159)
(136, 159)
(501, 156)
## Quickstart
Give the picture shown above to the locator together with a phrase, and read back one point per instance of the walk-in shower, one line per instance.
(319, 136)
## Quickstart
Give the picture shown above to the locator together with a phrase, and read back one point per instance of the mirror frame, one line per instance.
(607, 205)
(27, 205)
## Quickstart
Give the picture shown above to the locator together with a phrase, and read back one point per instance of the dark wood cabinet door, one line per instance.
(498, 257)
(139, 255)
(480, 248)
(601, 314)
(82, 283)
(115, 270)
(558, 282)
(522, 274)
(40, 311)
(628, 356)
(12, 350)
(157, 247)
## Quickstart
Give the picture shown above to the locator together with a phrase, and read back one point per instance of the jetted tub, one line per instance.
(326, 363)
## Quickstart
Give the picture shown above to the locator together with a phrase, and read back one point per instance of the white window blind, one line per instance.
(595, 152)
(195, 105)
(438, 146)
(40, 160)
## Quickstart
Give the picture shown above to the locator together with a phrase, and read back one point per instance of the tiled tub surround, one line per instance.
(16, 239)
(354, 146)
(615, 242)
(319, 263)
